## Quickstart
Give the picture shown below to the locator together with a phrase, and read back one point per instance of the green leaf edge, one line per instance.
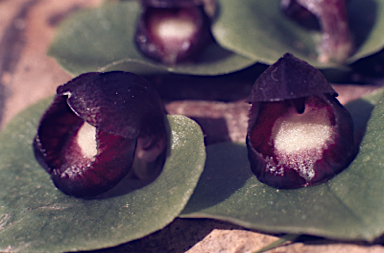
(373, 43)
(364, 228)
(22, 129)
(63, 53)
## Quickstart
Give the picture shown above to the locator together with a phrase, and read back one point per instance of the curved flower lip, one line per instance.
(122, 107)
(286, 109)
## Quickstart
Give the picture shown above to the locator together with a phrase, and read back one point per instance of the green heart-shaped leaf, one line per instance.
(103, 39)
(260, 31)
(35, 216)
(350, 206)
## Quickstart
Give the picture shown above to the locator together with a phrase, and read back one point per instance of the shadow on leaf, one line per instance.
(360, 111)
(362, 17)
(226, 170)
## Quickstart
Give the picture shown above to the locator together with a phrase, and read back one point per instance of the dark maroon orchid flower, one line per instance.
(172, 30)
(298, 133)
(96, 126)
(336, 44)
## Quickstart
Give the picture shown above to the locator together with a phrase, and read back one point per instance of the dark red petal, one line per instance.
(56, 124)
(81, 177)
(74, 174)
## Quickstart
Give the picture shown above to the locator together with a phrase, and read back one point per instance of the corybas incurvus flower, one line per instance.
(336, 44)
(298, 133)
(171, 31)
(96, 127)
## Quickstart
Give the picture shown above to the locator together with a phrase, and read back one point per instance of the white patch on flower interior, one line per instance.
(302, 162)
(294, 131)
(168, 27)
(272, 167)
(72, 171)
(86, 139)
(300, 139)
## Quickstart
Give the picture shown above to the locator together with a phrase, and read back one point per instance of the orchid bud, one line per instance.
(171, 31)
